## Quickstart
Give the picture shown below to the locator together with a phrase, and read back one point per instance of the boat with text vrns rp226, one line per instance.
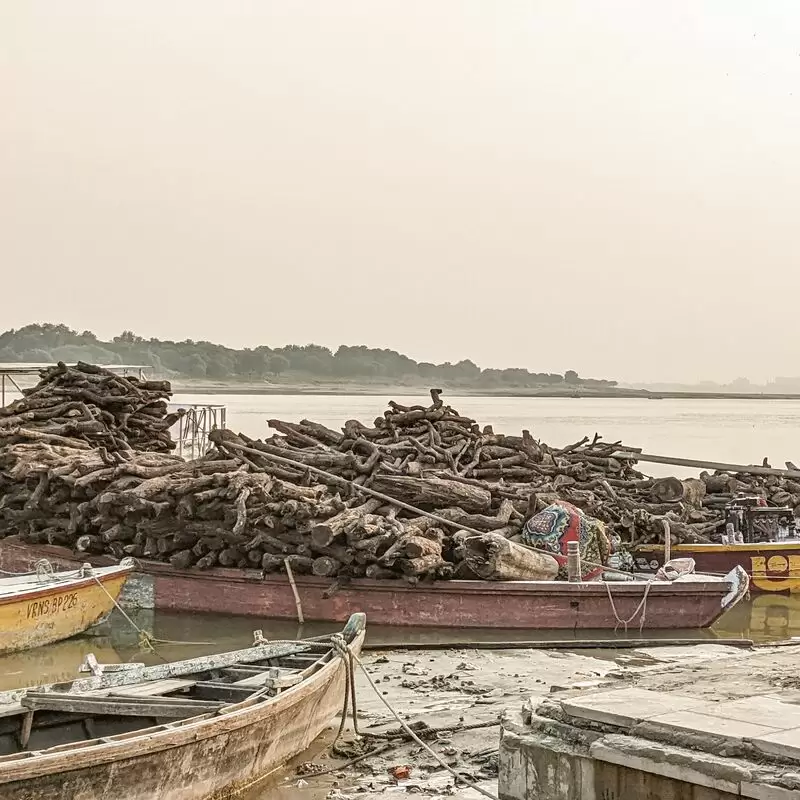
(42, 607)
(201, 729)
(695, 601)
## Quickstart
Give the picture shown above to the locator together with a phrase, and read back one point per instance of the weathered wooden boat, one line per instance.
(189, 730)
(693, 603)
(772, 566)
(43, 607)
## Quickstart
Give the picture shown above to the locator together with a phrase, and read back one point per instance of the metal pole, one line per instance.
(573, 562)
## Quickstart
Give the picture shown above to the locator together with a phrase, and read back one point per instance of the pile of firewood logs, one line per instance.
(85, 463)
(92, 405)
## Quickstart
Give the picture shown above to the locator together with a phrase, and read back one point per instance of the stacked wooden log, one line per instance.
(92, 405)
(723, 487)
(209, 512)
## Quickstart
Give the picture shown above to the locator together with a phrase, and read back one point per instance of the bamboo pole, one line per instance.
(296, 594)
(715, 465)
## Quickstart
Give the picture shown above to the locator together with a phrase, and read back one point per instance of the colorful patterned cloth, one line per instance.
(562, 522)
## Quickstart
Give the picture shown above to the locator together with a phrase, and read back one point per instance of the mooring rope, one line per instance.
(408, 730)
(641, 607)
(146, 640)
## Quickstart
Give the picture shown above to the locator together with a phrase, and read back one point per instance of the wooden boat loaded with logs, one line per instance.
(696, 601)
(41, 607)
(188, 730)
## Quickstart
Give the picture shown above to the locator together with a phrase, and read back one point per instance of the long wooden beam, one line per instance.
(698, 464)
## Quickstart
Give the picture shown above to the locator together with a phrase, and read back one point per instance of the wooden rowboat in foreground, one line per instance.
(696, 602)
(44, 607)
(190, 730)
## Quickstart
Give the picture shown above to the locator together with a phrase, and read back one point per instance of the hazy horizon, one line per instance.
(600, 187)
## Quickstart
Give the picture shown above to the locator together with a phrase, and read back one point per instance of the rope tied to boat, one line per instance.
(342, 649)
(43, 569)
(641, 607)
(350, 659)
(146, 640)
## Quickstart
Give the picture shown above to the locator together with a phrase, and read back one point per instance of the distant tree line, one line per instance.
(50, 343)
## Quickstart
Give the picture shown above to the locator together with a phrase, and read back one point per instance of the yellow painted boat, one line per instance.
(45, 607)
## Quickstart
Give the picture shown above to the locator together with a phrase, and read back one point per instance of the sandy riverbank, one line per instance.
(472, 687)
(280, 387)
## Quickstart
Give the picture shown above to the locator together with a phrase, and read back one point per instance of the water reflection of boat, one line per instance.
(54, 663)
(767, 617)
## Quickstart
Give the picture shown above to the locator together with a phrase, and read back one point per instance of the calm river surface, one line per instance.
(739, 431)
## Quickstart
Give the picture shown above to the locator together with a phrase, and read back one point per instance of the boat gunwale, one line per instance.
(110, 573)
(715, 547)
(30, 765)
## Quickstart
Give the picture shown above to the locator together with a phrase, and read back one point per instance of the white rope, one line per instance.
(416, 738)
(641, 607)
(44, 571)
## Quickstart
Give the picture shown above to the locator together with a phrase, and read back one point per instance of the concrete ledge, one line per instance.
(721, 774)
(765, 791)
(536, 765)
(553, 760)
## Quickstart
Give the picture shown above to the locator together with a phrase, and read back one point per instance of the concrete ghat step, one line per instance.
(560, 761)
(625, 708)
(766, 722)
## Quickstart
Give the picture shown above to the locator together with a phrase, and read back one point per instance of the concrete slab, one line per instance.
(781, 744)
(764, 710)
(712, 773)
(765, 791)
(625, 707)
(689, 721)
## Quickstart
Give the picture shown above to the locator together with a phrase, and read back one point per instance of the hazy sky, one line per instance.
(610, 187)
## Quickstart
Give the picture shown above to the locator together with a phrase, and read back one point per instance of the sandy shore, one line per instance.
(188, 387)
(471, 687)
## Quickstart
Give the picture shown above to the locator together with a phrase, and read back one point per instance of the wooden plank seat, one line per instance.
(227, 692)
(297, 661)
(238, 672)
(271, 678)
(153, 688)
(122, 706)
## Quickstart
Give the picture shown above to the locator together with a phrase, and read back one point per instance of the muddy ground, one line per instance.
(471, 688)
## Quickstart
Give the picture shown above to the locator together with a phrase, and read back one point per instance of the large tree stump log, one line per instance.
(493, 557)
(430, 493)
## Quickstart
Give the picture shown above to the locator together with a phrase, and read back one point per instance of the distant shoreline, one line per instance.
(360, 389)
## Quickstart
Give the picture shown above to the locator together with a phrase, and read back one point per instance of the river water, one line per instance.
(739, 431)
